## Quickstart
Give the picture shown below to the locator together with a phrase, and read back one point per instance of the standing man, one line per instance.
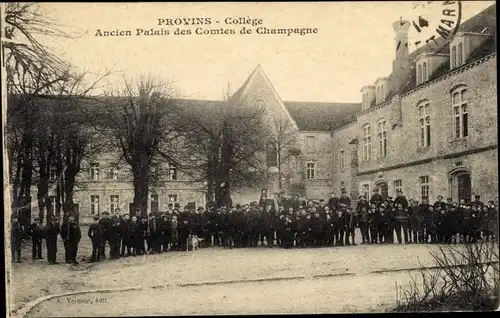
(16, 235)
(401, 199)
(36, 233)
(96, 236)
(344, 199)
(376, 198)
(126, 243)
(71, 236)
(51, 230)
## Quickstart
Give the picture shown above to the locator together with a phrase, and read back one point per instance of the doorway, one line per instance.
(383, 189)
(461, 185)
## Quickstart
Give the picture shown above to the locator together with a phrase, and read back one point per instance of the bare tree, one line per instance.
(282, 143)
(142, 121)
(227, 142)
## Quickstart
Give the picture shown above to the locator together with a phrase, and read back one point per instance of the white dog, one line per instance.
(193, 241)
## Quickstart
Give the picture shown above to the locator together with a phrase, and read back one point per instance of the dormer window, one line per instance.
(460, 54)
(453, 61)
(424, 72)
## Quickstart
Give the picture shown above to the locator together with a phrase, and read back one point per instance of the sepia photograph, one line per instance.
(251, 158)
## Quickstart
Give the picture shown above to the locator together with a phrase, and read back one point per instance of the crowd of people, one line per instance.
(282, 221)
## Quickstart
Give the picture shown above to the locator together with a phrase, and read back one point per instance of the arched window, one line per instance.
(419, 75)
(382, 93)
(453, 56)
(378, 94)
(459, 101)
(382, 137)
(367, 142)
(460, 54)
(424, 120)
(424, 77)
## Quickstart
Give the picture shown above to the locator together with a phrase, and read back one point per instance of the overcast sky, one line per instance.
(354, 45)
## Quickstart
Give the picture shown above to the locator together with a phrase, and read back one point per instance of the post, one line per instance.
(6, 189)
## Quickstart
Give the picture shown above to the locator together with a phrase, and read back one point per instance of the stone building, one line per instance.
(429, 128)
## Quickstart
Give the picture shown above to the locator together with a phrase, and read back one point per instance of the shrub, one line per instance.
(465, 277)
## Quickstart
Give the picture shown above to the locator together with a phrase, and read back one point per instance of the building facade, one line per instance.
(428, 128)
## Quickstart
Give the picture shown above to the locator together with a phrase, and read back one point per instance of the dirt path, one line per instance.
(340, 294)
(32, 280)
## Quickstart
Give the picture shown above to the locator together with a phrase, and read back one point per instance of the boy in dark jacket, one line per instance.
(373, 223)
(364, 220)
(383, 225)
(36, 233)
(71, 236)
(351, 223)
(96, 236)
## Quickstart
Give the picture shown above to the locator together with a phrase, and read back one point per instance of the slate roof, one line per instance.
(311, 116)
(486, 19)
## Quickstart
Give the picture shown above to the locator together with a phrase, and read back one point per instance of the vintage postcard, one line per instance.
(252, 158)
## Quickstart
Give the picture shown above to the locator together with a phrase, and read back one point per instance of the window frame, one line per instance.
(367, 146)
(366, 189)
(95, 167)
(171, 196)
(310, 170)
(424, 72)
(424, 123)
(93, 204)
(382, 136)
(398, 185)
(453, 56)
(460, 112)
(460, 53)
(112, 203)
(425, 189)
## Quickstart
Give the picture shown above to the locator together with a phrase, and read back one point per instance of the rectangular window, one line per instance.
(172, 173)
(425, 125)
(114, 202)
(94, 204)
(460, 53)
(172, 198)
(366, 191)
(342, 159)
(113, 173)
(398, 186)
(424, 187)
(310, 143)
(154, 203)
(382, 136)
(310, 170)
(94, 171)
(453, 57)
(367, 143)
(460, 113)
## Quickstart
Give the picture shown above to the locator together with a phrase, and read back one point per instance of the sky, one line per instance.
(354, 45)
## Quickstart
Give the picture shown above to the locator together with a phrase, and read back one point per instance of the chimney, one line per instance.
(401, 28)
(401, 64)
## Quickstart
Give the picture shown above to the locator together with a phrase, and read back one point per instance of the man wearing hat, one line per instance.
(71, 236)
(376, 198)
(344, 199)
(105, 223)
(401, 199)
(96, 236)
(126, 243)
(51, 231)
(36, 234)
(16, 239)
(477, 201)
(362, 203)
(440, 203)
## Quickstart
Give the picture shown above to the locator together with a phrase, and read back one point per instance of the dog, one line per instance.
(193, 241)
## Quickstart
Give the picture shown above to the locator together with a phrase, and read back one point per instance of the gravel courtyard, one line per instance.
(220, 281)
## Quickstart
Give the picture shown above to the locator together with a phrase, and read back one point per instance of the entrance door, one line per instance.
(384, 190)
(464, 187)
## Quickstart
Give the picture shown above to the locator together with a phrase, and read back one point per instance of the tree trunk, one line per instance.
(140, 171)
